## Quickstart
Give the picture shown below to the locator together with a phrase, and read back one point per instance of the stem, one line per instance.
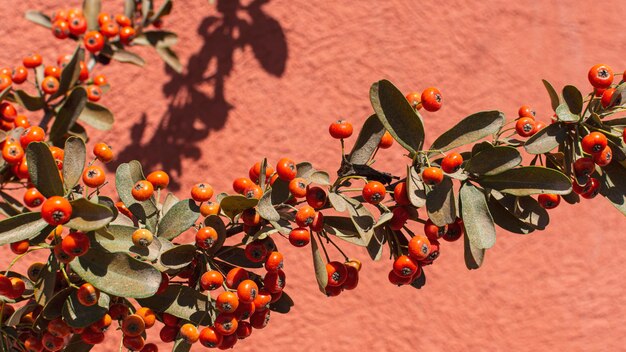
(67, 278)
(335, 245)
(46, 119)
(323, 247)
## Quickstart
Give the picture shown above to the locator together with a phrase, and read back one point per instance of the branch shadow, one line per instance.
(197, 100)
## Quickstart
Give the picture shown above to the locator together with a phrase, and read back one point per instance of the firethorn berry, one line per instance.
(61, 29)
(305, 216)
(21, 121)
(274, 282)
(122, 20)
(525, 126)
(434, 253)
(31, 61)
(94, 41)
(133, 343)
(159, 179)
(255, 171)
(607, 96)
(133, 325)
(386, 141)
(74, 12)
(274, 261)
(12, 153)
(142, 237)
(584, 167)
(109, 29)
(624, 135)
(94, 93)
(118, 311)
(61, 256)
(299, 237)
(340, 129)
(210, 208)
(211, 280)
(241, 184)
(419, 247)
(260, 319)
(189, 333)
(142, 190)
(256, 252)
(549, 201)
(431, 99)
(225, 324)
(594, 142)
(8, 111)
(404, 266)
(451, 163)
(399, 218)
(103, 18)
(400, 194)
(52, 71)
(127, 34)
(33, 344)
(103, 152)
(262, 300)
(526, 111)
(100, 80)
(228, 342)
(170, 320)
(206, 237)
(432, 175)
(75, 244)
(235, 276)
(333, 291)
(32, 134)
(538, 127)
(352, 278)
(251, 217)
(209, 337)
(455, 231)
(33, 198)
(433, 231)
(374, 192)
(84, 71)
(414, 98)
(78, 26)
(56, 210)
(337, 273)
(253, 191)
(87, 294)
(51, 342)
(20, 247)
(50, 85)
(600, 76)
(168, 333)
(604, 157)
(123, 209)
(34, 271)
(318, 222)
(298, 187)
(316, 196)
(20, 74)
(102, 324)
(150, 347)
(201, 192)
(21, 169)
(59, 328)
(244, 310)
(5, 285)
(247, 291)
(398, 280)
(93, 176)
(286, 169)
(244, 330)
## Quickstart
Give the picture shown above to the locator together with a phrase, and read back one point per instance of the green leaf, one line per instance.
(360, 215)
(73, 161)
(236, 256)
(493, 161)
(156, 38)
(79, 316)
(21, 227)
(479, 226)
(375, 245)
(236, 204)
(397, 116)
(546, 139)
(147, 6)
(43, 170)
(266, 209)
(126, 176)
(54, 308)
(506, 220)
(169, 202)
(304, 170)
(69, 113)
(76, 344)
(178, 219)
(563, 114)
(619, 122)
(320, 177)
(164, 10)
(440, 203)
(280, 191)
(283, 305)
(91, 9)
(472, 128)
(183, 302)
(320, 266)
(30, 102)
(70, 73)
(129, 8)
(170, 58)
(473, 256)
(573, 98)
(118, 239)
(528, 180)
(218, 225)
(343, 228)
(554, 97)
(613, 186)
(88, 216)
(117, 273)
(38, 18)
(97, 116)
(367, 142)
(12, 205)
(126, 56)
(180, 345)
(178, 256)
(338, 202)
(415, 188)
(524, 208)
(46, 285)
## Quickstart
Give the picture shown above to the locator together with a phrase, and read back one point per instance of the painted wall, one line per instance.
(267, 81)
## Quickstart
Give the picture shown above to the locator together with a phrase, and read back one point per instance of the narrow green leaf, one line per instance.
(471, 129)
(70, 73)
(218, 225)
(320, 177)
(11, 205)
(69, 113)
(164, 10)
(156, 38)
(528, 180)
(43, 170)
(147, 6)
(506, 220)
(493, 161)
(126, 56)
(46, 285)
(440, 203)
(280, 192)
(170, 58)
(563, 114)
(169, 202)
(88, 216)
(178, 219)
(129, 9)
(415, 188)
(375, 245)
(304, 170)
(91, 9)
(178, 256)
(367, 142)
(21, 227)
(183, 302)
(266, 209)
(236, 204)
(320, 266)
(38, 18)
(180, 345)
(397, 116)
(97, 116)
(479, 226)
(573, 98)
(54, 308)
(546, 139)
(79, 316)
(73, 161)
(473, 256)
(30, 102)
(524, 208)
(554, 97)
(361, 216)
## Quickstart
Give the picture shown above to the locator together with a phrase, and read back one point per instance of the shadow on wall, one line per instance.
(197, 100)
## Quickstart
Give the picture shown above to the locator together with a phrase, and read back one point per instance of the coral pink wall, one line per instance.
(268, 81)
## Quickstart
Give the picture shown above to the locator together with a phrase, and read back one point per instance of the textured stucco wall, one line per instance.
(268, 81)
